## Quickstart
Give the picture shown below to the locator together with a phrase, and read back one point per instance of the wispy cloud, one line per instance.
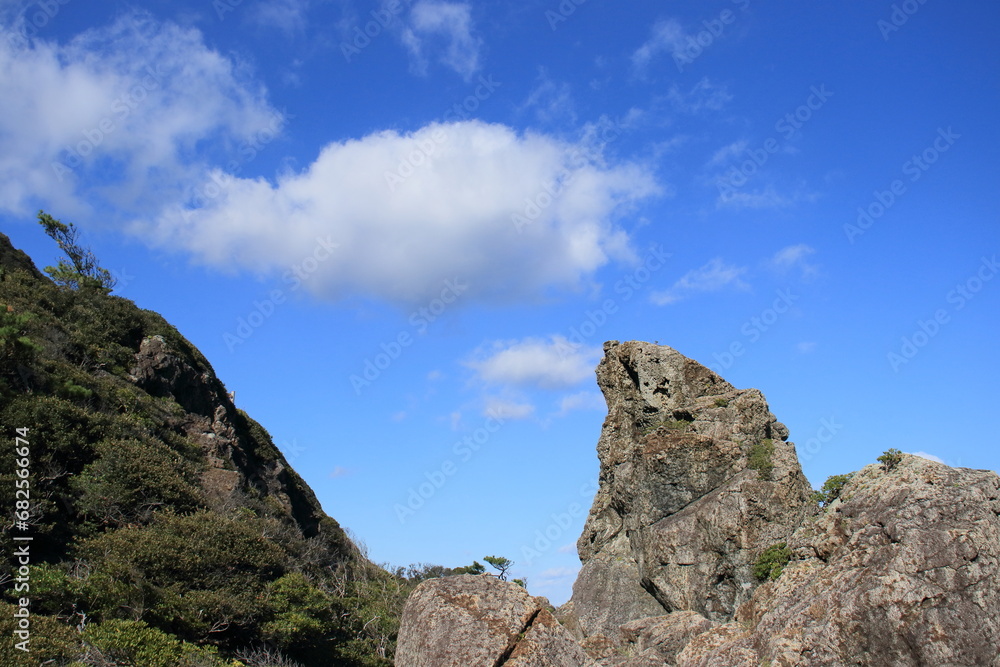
(535, 362)
(447, 29)
(551, 101)
(795, 257)
(289, 16)
(703, 95)
(929, 457)
(668, 37)
(712, 277)
(584, 400)
(508, 409)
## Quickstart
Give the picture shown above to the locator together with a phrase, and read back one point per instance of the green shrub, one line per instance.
(890, 459)
(135, 643)
(770, 564)
(721, 402)
(760, 457)
(831, 489)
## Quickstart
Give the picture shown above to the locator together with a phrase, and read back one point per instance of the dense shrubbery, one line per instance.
(760, 458)
(134, 560)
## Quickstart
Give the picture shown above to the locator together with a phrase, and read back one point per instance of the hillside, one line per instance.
(165, 526)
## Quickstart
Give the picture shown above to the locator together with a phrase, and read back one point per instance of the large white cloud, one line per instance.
(505, 214)
(116, 111)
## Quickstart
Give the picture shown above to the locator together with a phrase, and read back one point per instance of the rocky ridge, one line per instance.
(697, 481)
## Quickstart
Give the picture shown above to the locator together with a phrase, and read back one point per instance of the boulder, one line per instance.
(478, 620)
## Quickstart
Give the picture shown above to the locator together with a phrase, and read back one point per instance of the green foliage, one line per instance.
(770, 564)
(523, 583)
(721, 402)
(135, 643)
(760, 457)
(501, 564)
(132, 478)
(831, 489)
(475, 568)
(82, 270)
(890, 459)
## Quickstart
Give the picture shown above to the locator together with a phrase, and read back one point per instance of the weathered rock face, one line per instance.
(472, 621)
(903, 569)
(681, 514)
(696, 482)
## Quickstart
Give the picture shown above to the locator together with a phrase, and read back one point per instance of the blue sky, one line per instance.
(402, 231)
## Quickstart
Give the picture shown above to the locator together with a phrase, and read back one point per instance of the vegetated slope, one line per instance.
(167, 529)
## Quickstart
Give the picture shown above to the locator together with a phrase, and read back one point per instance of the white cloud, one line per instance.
(449, 26)
(929, 457)
(704, 95)
(567, 548)
(724, 154)
(712, 277)
(124, 106)
(449, 218)
(551, 101)
(668, 37)
(795, 257)
(584, 400)
(535, 362)
(506, 409)
(289, 16)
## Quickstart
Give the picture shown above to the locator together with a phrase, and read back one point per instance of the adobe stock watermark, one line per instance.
(362, 36)
(606, 132)
(914, 168)
(713, 29)
(626, 287)
(34, 18)
(900, 14)
(74, 156)
(296, 275)
(753, 329)
(561, 522)
(423, 152)
(827, 431)
(419, 321)
(786, 126)
(21, 555)
(958, 297)
(434, 480)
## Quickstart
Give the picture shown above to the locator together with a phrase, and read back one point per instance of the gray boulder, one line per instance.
(473, 621)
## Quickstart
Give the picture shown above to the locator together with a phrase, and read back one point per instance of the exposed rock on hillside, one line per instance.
(903, 569)
(696, 481)
(479, 620)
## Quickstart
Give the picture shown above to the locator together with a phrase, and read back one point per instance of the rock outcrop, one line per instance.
(473, 620)
(696, 481)
(902, 569)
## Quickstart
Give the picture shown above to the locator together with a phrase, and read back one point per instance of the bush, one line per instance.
(890, 459)
(760, 457)
(771, 563)
(135, 643)
(831, 489)
(721, 402)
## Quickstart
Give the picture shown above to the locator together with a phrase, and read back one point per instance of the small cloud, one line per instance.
(758, 199)
(704, 95)
(449, 24)
(289, 16)
(805, 347)
(795, 256)
(551, 101)
(726, 153)
(505, 409)
(339, 472)
(536, 362)
(567, 548)
(584, 400)
(929, 457)
(712, 277)
(668, 37)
